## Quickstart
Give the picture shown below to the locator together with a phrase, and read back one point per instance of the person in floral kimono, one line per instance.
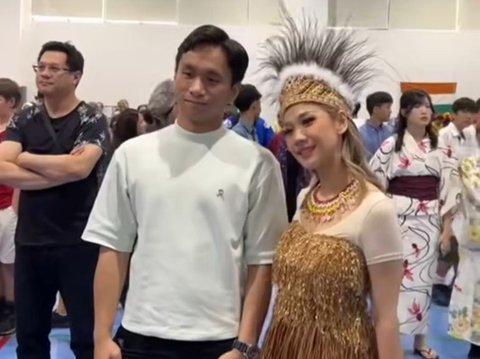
(464, 312)
(420, 177)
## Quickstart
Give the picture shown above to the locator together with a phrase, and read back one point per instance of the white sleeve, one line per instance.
(443, 140)
(450, 186)
(380, 238)
(267, 215)
(381, 161)
(112, 222)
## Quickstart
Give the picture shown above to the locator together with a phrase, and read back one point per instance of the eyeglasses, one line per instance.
(53, 69)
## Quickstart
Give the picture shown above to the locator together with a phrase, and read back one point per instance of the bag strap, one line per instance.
(49, 127)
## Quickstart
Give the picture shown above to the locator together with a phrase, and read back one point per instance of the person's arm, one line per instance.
(108, 284)
(68, 168)
(17, 177)
(386, 279)
(112, 225)
(446, 235)
(447, 221)
(93, 141)
(15, 200)
(255, 306)
(382, 246)
(266, 222)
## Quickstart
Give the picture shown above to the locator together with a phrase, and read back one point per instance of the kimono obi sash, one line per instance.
(423, 188)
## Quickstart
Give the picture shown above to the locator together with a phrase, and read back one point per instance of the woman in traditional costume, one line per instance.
(422, 179)
(464, 311)
(344, 244)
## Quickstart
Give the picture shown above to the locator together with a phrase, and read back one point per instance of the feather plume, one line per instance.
(304, 47)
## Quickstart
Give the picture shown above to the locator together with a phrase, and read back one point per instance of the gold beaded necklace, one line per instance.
(327, 211)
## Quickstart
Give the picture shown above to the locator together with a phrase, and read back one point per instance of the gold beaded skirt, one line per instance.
(321, 307)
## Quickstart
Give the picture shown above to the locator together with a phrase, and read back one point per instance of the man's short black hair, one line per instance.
(236, 54)
(478, 105)
(10, 90)
(377, 99)
(75, 60)
(247, 95)
(464, 104)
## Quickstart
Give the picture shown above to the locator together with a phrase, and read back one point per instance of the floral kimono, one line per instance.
(422, 169)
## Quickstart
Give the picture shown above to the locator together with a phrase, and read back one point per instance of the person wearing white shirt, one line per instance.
(459, 136)
(454, 135)
(464, 300)
(196, 205)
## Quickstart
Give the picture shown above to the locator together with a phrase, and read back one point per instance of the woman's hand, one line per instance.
(445, 244)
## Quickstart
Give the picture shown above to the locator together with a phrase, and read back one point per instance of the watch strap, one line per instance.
(249, 351)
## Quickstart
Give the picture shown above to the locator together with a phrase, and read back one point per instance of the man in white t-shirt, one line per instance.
(460, 136)
(201, 209)
(457, 134)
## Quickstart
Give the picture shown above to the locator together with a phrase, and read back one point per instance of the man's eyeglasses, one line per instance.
(53, 69)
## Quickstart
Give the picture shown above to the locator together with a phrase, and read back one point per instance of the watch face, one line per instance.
(254, 350)
(255, 354)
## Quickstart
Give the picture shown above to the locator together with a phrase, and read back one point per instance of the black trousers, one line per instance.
(135, 346)
(474, 352)
(41, 272)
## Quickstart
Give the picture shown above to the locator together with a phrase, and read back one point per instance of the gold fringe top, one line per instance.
(321, 305)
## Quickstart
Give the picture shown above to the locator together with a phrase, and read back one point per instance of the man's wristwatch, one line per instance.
(249, 351)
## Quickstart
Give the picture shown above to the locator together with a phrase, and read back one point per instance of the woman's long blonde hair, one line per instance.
(354, 154)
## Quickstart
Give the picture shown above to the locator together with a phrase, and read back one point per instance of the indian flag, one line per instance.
(443, 93)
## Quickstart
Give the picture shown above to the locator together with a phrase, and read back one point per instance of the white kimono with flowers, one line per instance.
(464, 311)
(420, 221)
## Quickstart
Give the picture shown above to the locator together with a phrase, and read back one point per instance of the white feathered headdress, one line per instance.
(306, 62)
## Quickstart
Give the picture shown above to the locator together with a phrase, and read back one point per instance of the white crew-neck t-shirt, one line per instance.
(203, 207)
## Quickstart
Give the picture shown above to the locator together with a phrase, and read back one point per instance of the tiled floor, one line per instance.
(447, 347)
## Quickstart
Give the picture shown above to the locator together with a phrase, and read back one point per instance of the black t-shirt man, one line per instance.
(57, 216)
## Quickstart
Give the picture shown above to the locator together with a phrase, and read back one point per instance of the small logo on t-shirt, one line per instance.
(220, 193)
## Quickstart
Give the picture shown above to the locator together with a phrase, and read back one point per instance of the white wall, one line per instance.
(428, 56)
(10, 38)
(122, 60)
(128, 60)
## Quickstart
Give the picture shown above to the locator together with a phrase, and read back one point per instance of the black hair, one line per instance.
(356, 109)
(247, 95)
(75, 60)
(408, 101)
(146, 114)
(210, 35)
(464, 104)
(478, 105)
(10, 90)
(124, 126)
(377, 99)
